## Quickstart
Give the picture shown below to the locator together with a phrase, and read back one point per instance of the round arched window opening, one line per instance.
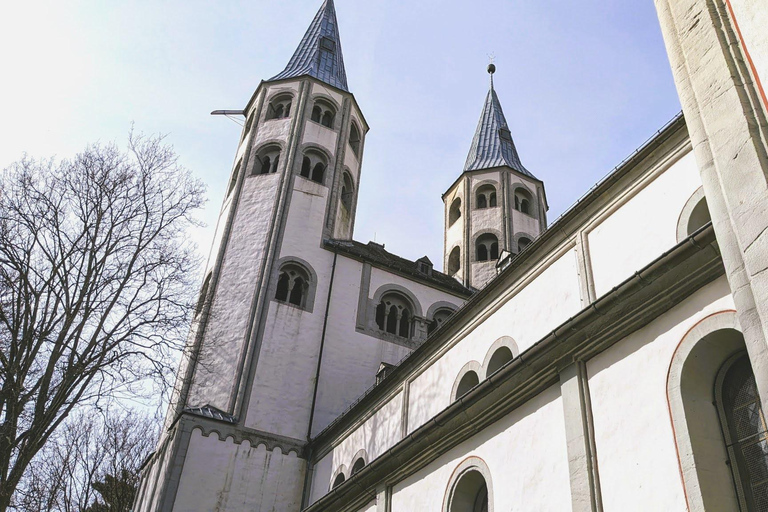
(340, 479)
(347, 192)
(470, 493)
(487, 247)
(440, 316)
(394, 315)
(354, 139)
(485, 197)
(523, 201)
(500, 357)
(468, 381)
(358, 465)
(279, 107)
(313, 166)
(293, 285)
(454, 261)
(454, 213)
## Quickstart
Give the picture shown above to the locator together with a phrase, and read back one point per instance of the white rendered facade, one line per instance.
(588, 372)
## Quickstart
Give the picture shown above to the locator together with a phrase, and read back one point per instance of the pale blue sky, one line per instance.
(582, 85)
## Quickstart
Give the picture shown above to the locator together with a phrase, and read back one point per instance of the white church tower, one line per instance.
(496, 205)
(256, 343)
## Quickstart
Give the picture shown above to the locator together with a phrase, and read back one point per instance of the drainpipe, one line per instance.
(307, 479)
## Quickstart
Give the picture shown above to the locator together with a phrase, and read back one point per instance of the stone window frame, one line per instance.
(516, 240)
(326, 104)
(349, 205)
(361, 454)
(372, 329)
(504, 341)
(476, 189)
(358, 147)
(266, 147)
(309, 301)
(341, 470)
(280, 97)
(448, 267)
(450, 210)
(316, 154)
(686, 212)
(684, 443)
(471, 463)
(471, 366)
(534, 211)
(440, 305)
(494, 232)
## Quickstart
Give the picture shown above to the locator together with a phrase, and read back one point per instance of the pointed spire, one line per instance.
(319, 53)
(492, 145)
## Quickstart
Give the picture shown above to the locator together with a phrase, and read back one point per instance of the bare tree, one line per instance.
(96, 282)
(90, 464)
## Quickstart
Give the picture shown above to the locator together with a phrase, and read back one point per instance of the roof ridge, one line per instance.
(319, 52)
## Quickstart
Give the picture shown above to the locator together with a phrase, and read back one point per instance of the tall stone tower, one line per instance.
(495, 205)
(256, 342)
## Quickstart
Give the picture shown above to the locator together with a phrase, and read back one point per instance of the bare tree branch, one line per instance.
(96, 284)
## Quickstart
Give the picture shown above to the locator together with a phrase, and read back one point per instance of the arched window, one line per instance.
(354, 139)
(340, 478)
(699, 216)
(485, 197)
(467, 382)
(523, 201)
(394, 315)
(324, 113)
(500, 357)
(487, 247)
(293, 285)
(279, 107)
(233, 181)
(248, 126)
(358, 465)
(440, 316)
(522, 243)
(327, 120)
(267, 160)
(454, 261)
(313, 166)
(746, 437)
(470, 493)
(454, 213)
(347, 192)
(317, 113)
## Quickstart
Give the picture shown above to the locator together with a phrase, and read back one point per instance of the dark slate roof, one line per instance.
(319, 53)
(209, 411)
(492, 145)
(375, 254)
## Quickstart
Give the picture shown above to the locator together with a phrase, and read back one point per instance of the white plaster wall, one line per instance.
(316, 133)
(223, 476)
(522, 223)
(153, 478)
(628, 382)
(483, 272)
(752, 18)
(526, 455)
(379, 433)
(228, 321)
(327, 91)
(350, 358)
(642, 228)
(274, 129)
(281, 396)
(488, 219)
(371, 507)
(538, 308)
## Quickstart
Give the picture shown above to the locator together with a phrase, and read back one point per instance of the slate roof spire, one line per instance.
(492, 145)
(319, 53)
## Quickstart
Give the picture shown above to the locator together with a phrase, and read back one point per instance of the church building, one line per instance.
(614, 360)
